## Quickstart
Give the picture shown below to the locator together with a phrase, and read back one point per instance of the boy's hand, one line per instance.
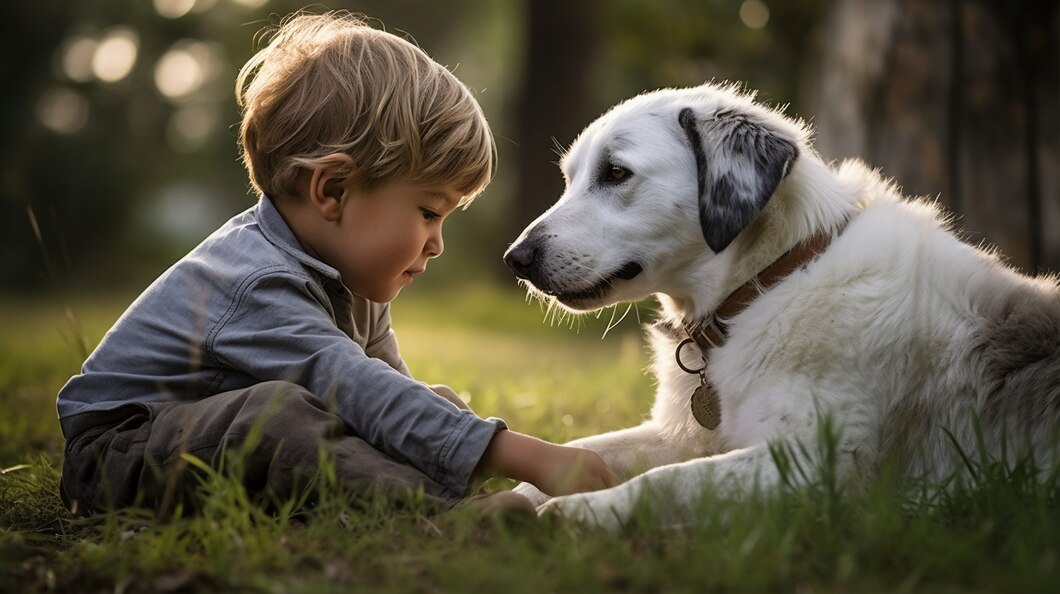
(554, 469)
(568, 470)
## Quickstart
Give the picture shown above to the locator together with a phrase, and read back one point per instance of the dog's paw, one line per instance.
(605, 509)
(532, 493)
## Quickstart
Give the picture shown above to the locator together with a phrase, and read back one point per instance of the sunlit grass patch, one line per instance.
(497, 352)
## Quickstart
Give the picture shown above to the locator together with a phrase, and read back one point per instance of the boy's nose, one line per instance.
(520, 258)
(435, 246)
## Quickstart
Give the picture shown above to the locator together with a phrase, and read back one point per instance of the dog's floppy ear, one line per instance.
(740, 163)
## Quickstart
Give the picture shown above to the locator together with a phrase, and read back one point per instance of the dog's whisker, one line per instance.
(614, 310)
(611, 322)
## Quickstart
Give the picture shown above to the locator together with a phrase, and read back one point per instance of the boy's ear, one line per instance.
(329, 184)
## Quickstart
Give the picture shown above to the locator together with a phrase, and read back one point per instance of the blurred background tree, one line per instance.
(119, 146)
(957, 99)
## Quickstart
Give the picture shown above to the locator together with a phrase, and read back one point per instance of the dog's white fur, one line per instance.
(899, 332)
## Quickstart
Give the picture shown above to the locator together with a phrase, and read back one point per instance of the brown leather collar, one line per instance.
(711, 332)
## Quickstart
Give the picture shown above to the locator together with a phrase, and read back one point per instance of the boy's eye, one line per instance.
(429, 215)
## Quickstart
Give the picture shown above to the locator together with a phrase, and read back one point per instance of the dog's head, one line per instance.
(660, 182)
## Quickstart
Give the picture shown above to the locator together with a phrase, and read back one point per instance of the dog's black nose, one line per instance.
(520, 258)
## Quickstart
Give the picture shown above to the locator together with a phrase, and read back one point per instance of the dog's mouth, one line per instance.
(594, 293)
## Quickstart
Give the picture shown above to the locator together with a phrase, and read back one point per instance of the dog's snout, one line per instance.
(520, 258)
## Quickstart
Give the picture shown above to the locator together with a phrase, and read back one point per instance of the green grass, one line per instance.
(1000, 533)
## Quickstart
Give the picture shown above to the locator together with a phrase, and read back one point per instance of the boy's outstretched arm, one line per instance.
(554, 469)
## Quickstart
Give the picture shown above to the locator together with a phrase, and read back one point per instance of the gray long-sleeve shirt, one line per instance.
(248, 305)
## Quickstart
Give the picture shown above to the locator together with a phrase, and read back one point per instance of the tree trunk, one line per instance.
(956, 100)
(561, 37)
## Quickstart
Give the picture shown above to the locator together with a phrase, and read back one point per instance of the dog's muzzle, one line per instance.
(525, 260)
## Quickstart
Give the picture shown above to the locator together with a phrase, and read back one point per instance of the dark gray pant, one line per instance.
(132, 456)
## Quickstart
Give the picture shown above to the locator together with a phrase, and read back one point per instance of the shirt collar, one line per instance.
(276, 230)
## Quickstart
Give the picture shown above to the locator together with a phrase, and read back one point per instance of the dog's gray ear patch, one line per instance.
(726, 216)
(688, 122)
(747, 163)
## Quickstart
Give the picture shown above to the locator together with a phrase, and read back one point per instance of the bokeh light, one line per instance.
(251, 3)
(754, 14)
(185, 68)
(202, 6)
(115, 55)
(191, 126)
(63, 110)
(173, 9)
(76, 58)
(178, 74)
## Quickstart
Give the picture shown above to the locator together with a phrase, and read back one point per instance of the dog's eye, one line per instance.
(614, 174)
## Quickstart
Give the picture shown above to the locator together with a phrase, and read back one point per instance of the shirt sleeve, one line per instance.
(383, 344)
(278, 330)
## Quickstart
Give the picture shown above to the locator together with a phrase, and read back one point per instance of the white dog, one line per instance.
(811, 292)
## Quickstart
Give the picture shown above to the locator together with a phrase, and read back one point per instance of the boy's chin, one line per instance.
(377, 295)
(387, 295)
(383, 297)
(382, 292)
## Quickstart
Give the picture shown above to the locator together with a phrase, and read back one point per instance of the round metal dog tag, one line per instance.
(705, 407)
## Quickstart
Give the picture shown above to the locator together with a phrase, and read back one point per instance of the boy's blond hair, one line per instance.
(330, 83)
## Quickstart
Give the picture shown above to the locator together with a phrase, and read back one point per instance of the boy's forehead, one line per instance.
(451, 196)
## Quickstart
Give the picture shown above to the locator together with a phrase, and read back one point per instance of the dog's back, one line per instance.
(968, 348)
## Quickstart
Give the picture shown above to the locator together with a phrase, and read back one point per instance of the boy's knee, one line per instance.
(271, 415)
(279, 389)
(290, 414)
(282, 399)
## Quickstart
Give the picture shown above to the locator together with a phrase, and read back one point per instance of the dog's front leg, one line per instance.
(629, 452)
(734, 475)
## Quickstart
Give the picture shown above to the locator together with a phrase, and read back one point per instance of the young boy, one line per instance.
(276, 329)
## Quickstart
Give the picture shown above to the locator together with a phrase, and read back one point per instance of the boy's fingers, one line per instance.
(605, 479)
(587, 472)
(602, 473)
